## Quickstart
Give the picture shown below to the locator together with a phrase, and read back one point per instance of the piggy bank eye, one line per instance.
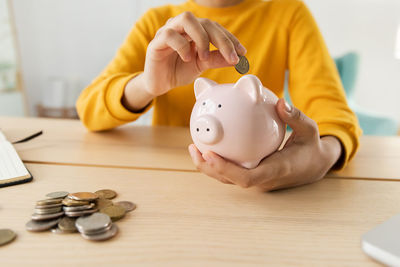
(204, 103)
(219, 105)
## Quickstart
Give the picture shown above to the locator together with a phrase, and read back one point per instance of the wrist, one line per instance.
(332, 149)
(136, 97)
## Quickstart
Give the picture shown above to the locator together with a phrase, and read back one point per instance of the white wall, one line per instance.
(75, 39)
(368, 27)
(70, 41)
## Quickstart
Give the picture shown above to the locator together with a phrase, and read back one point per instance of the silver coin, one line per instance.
(80, 213)
(38, 226)
(78, 208)
(93, 222)
(58, 194)
(99, 231)
(243, 65)
(41, 217)
(103, 236)
(6, 236)
(48, 211)
(129, 206)
(48, 206)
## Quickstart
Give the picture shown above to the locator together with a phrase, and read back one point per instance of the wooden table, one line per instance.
(68, 142)
(185, 218)
(188, 219)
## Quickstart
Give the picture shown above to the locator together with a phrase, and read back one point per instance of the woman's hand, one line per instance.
(178, 54)
(305, 158)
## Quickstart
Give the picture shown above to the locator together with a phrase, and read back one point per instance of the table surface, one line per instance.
(186, 219)
(67, 142)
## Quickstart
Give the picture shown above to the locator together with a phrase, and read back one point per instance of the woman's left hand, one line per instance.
(305, 158)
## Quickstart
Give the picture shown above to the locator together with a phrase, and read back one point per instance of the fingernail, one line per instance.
(207, 157)
(242, 49)
(234, 58)
(288, 108)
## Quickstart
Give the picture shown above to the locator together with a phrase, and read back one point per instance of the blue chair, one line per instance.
(372, 123)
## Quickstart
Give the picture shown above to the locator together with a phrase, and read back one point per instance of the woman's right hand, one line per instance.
(180, 52)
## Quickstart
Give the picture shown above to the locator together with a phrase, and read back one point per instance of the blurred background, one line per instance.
(51, 49)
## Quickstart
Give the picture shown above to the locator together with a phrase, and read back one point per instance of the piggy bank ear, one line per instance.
(251, 85)
(201, 85)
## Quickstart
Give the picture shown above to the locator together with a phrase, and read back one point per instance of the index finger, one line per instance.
(228, 170)
(187, 23)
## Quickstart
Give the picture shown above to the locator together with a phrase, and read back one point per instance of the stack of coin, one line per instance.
(96, 227)
(79, 204)
(47, 212)
(64, 212)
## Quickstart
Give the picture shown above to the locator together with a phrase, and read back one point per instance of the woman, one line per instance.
(170, 46)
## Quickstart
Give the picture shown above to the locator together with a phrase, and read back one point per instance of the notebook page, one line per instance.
(11, 165)
(2, 137)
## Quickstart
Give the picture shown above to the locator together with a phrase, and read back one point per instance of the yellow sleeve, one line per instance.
(99, 105)
(315, 86)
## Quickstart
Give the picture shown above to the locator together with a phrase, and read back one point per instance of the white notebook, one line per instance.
(12, 170)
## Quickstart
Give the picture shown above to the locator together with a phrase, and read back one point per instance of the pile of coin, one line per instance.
(92, 214)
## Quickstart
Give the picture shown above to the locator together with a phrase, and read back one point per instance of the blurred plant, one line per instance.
(7, 53)
(7, 76)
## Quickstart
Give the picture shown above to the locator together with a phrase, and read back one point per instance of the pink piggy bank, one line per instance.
(236, 121)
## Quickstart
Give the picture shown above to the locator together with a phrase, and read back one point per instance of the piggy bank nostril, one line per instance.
(207, 130)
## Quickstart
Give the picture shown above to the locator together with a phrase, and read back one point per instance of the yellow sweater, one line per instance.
(279, 35)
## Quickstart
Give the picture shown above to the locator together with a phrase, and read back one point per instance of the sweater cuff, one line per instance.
(348, 139)
(114, 99)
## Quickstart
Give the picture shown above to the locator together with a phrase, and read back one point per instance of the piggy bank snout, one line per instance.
(207, 129)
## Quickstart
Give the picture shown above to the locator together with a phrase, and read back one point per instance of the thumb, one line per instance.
(297, 120)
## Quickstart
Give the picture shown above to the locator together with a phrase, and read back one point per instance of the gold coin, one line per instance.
(115, 212)
(101, 203)
(58, 231)
(6, 236)
(48, 206)
(80, 213)
(88, 196)
(129, 206)
(106, 193)
(67, 224)
(45, 202)
(78, 208)
(73, 203)
(243, 65)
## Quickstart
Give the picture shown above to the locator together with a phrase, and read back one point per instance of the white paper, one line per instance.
(11, 165)
(2, 137)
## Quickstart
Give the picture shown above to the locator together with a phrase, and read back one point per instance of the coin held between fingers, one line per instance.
(243, 65)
